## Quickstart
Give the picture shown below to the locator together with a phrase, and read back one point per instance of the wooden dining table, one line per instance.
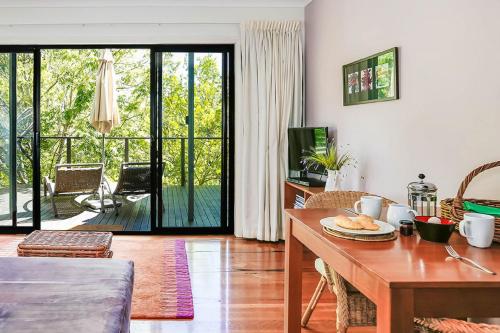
(406, 278)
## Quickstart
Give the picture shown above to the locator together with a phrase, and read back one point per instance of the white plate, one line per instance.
(385, 228)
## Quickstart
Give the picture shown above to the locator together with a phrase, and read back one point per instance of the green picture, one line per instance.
(372, 79)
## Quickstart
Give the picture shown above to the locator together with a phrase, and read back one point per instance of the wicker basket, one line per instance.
(446, 325)
(452, 209)
(72, 244)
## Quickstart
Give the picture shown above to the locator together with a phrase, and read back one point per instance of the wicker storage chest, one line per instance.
(72, 244)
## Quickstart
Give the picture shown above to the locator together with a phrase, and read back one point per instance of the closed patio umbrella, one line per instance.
(105, 114)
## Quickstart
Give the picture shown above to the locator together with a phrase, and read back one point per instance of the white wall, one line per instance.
(447, 120)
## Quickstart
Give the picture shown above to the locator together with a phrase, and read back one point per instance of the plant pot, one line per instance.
(333, 181)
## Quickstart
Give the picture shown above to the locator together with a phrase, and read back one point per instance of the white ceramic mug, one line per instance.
(479, 229)
(398, 212)
(371, 205)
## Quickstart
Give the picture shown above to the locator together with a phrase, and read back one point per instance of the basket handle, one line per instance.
(459, 199)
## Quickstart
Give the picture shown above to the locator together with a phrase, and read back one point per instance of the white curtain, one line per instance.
(271, 101)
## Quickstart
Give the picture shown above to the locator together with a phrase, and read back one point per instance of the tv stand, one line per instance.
(306, 181)
(292, 189)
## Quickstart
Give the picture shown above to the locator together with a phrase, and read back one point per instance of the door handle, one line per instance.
(187, 120)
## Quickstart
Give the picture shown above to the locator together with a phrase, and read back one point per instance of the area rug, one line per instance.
(8, 247)
(162, 285)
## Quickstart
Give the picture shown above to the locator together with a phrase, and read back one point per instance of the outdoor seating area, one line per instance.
(134, 214)
(81, 179)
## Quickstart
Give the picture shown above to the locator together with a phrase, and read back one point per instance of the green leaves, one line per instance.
(67, 94)
(330, 159)
(207, 117)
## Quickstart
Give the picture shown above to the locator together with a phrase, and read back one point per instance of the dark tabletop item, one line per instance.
(434, 232)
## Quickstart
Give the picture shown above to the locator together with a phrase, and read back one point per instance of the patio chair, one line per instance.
(134, 178)
(355, 309)
(75, 179)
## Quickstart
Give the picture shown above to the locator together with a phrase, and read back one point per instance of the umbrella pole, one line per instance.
(103, 156)
(103, 153)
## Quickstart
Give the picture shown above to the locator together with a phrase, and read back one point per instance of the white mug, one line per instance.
(370, 205)
(479, 229)
(398, 212)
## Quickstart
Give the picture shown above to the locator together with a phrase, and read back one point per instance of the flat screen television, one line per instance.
(301, 141)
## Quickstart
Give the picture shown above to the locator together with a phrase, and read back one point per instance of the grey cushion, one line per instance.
(61, 295)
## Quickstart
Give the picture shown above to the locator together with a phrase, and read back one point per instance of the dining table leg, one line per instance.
(395, 310)
(293, 281)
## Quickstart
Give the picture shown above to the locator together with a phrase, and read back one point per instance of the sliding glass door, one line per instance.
(167, 167)
(193, 134)
(18, 131)
(71, 145)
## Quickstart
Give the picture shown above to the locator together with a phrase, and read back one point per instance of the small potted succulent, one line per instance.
(331, 161)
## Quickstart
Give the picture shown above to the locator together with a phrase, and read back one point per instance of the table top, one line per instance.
(407, 261)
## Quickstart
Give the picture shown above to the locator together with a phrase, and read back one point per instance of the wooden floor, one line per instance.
(237, 287)
(134, 215)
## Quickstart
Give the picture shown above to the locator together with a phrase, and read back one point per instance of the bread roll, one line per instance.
(345, 222)
(367, 222)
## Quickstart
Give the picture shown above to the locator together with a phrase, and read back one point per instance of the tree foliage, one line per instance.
(67, 97)
(24, 120)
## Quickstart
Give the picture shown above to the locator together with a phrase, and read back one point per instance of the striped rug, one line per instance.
(177, 298)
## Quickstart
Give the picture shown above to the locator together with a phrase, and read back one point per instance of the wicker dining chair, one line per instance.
(355, 309)
(447, 325)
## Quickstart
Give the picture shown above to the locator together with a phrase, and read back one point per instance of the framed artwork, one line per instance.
(372, 79)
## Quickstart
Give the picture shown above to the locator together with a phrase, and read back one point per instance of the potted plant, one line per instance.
(331, 161)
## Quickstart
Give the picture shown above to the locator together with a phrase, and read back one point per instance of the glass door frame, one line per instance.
(14, 50)
(156, 50)
(227, 167)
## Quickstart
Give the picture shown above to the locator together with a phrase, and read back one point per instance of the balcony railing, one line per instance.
(69, 140)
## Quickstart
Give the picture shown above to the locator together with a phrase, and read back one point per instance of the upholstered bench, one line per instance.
(61, 295)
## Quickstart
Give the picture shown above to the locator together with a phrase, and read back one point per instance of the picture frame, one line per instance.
(372, 79)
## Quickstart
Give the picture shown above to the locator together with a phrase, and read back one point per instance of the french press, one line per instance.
(422, 197)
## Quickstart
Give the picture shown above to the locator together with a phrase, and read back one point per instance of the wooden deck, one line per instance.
(24, 207)
(206, 206)
(134, 215)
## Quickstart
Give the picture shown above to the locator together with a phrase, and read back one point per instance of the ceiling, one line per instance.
(142, 3)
